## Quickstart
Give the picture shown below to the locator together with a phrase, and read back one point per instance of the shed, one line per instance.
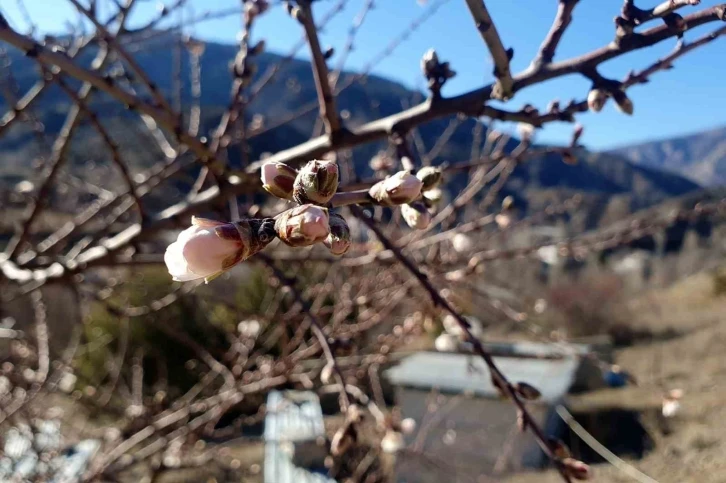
(294, 438)
(464, 425)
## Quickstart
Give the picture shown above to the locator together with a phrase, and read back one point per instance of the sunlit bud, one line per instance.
(433, 195)
(430, 177)
(452, 326)
(316, 182)
(596, 99)
(503, 220)
(576, 469)
(338, 240)
(278, 179)
(303, 225)
(326, 375)
(392, 442)
(508, 203)
(625, 105)
(446, 343)
(209, 247)
(462, 243)
(255, 7)
(416, 215)
(527, 391)
(429, 62)
(402, 187)
(408, 426)
(525, 131)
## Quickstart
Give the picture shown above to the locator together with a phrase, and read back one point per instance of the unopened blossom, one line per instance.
(433, 195)
(446, 343)
(338, 240)
(576, 469)
(526, 131)
(625, 105)
(392, 442)
(278, 179)
(596, 99)
(303, 225)
(209, 247)
(452, 326)
(316, 182)
(402, 187)
(430, 176)
(416, 215)
(408, 426)
(462, 243)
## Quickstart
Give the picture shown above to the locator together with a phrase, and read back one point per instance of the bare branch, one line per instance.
(503, 89)
(549, 45)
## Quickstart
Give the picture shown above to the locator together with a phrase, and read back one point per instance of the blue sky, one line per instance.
(686, 99)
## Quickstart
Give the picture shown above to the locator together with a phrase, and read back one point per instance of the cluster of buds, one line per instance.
(401, 188)
(435, 72)
(208, 247)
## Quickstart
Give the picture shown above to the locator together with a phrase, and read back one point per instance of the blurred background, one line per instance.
(590, 267)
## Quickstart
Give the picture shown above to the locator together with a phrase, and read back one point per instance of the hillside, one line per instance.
(601, 175)
(700, 157)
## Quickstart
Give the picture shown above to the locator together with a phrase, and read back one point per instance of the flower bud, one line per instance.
(392, 442)
(433, 195)
(596, 100)
(446, 343)
(430, 177)
(576, 469)
(408, 426)
(278, 179)
(416, 215)
(625, 105)
(462, 243)
(402, 187)
(526, 131)
(209, 247)
(303, 225)
(316, 182)
(527, 391)
(429, 62)
(338, 240)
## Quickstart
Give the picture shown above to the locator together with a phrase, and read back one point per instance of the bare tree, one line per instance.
(313, 304)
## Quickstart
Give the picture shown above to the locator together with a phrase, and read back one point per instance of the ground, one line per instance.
(686, 351)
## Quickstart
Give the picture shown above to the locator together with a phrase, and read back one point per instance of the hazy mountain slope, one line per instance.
(700, 157)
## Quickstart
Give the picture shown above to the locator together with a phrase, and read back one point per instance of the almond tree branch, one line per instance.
(549, 45)
(315, 325)
(485, 26)
(639, 16)
(326, 99)
(498, 378)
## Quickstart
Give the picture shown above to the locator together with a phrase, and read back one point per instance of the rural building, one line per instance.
(465, 429)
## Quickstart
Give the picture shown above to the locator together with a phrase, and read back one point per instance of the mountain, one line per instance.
(535, 183)
(700, 157)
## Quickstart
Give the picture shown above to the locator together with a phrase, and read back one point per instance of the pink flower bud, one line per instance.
(416, 215)
(278, 179)
(625, 105)
(316, 182)
(303, 225)
(208, 247)
(401, 188)
(338, 241)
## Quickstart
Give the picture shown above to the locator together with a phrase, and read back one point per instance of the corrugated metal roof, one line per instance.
(292, 417)
(464, 372)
